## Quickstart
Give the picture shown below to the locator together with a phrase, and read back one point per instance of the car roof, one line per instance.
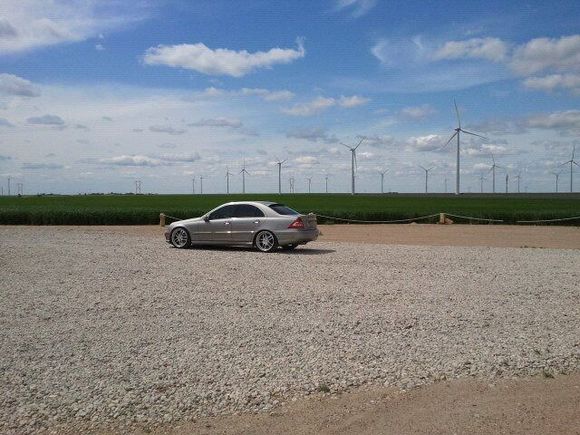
(266, 203)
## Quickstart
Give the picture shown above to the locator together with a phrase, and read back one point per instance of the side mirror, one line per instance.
(206, 218)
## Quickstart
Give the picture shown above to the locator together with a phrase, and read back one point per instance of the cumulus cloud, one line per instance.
(314, 134)
(398, 53)
(38, 166)
(12, 85)
(221, 61)
(492, 49)
(268, 95)
(166, 129)
(380, 141)
(46, 120)
(357, 8)
(306, 160)
(429, 142)
(554, 82)
(320, 104)
(133, 160)
(547, 53)
(29, 24)
(417, 112)
(565, 121)
(218, 122)
(500, 127)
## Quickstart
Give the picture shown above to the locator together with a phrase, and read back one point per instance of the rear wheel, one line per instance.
(180, 238)
(266, 241)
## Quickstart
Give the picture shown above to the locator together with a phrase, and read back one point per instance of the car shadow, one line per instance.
(297, 251)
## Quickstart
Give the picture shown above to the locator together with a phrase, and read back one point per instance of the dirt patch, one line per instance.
(527, 406)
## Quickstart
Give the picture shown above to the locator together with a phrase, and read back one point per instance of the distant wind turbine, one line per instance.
(519, 178)
(383, 179)
(353, 162)
(244, 172)
(572, 162)
(458, 131)
(201, 184)
(507, 180)
(280, 163)
(309, 183)
(193, 185)
(481, 180)
(492, 170)
(557, 175)
(426, 177)
(326, 184)
(228, 173)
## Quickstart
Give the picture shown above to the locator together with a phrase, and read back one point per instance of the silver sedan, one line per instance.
(265, 225)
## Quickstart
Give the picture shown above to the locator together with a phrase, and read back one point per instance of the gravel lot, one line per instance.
(102, 328)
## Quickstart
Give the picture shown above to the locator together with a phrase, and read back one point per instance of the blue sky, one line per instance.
(96, 94)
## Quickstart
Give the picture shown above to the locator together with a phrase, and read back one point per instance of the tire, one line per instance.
(289, 247)
(266, 241)
(180, 238)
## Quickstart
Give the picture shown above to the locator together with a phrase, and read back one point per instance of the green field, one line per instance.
(145, 209)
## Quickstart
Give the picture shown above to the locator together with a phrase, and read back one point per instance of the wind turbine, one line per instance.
(557, 175)
(383, 179)
(193, 185)
(291, 180)
(280, 163)
(492, 169)
(481, 180)
(244, 172)
(201, 184)
(519, 177)
(326, 183)
(353, 161)
(507, 180)
(309, 183)
(572, 162)
(426, 176)
(458, 131)
(228, 173)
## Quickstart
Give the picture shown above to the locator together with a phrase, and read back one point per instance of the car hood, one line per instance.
(187, 221)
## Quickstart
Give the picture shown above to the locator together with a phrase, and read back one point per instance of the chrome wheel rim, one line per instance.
(265, 241)
(179, 238)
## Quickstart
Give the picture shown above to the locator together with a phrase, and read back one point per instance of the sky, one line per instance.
(96, 94)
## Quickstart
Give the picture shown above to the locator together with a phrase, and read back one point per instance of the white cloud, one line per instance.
(398, 53)
(429, 142)
(218, 122)
(315, 134)
(417, 112)
(306, 160)
(553, 82)
(29, 24)
(35, 166)
(547, 54)
(46, 120)
(134, 160)
(358, 8)
(492, 49)
(320, 104)
(221, 61)
(268, 95)
(166, 129)
(563, 121)
(99, 47)
(12, 85)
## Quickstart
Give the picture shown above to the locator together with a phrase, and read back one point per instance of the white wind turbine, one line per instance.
(309, 179)
(326, 183)
(572, 162)
(458, 131)
(481, 180)
(228, 173)
(244, 172)
(426, 177)
(507, 180)
(280, 163)
(557, 175)
(519, 178)
(492, 170)
(353, 161)
(383, 179)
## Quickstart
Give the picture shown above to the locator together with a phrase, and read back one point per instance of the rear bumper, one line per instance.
(296, 237)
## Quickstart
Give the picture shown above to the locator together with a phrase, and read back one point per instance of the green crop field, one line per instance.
(145, 209)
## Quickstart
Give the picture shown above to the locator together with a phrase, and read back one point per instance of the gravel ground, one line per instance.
(104, 330)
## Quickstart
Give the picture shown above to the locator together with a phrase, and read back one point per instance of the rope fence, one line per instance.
(443, 219)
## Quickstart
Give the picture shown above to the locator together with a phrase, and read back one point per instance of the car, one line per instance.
(265, 225)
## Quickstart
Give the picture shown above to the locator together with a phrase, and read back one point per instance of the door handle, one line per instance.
(256, 222)
(226, 223)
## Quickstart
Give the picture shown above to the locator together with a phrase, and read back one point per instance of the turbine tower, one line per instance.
(280, 163)
(201, 184)
(519, 178)
(572, 162)
(557, 175)
(492, 169)
(458, 131)
(326, 184)
(244, 172)
(228, 173)
(507, 180)
(309, 183)
(426, 177)
(353, 162)
(193, 185)
(481, 180)
(383, 179)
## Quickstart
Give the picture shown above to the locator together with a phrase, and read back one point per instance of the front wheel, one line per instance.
(180, 238)
(266, 241)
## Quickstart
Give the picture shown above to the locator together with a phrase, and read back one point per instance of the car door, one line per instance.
(245, 222)
(219, 224)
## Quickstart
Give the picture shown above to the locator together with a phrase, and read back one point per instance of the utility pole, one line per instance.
(137, 187)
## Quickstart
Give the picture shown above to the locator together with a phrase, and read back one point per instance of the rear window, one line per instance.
(283, 210)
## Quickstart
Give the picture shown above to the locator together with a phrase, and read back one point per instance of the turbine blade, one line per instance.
(576, 164)
(422, 167)
(361, 141)
(565, 163)
(474, 134)
(450, 139)
(573, 152)
(345, 145)
(457, 112)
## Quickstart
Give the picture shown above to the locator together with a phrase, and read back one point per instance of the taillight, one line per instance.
(297, 223)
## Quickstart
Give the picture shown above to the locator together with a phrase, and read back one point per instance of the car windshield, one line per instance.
(283, 210)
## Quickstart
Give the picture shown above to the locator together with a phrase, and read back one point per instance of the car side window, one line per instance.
(223, 212)
(247, 210)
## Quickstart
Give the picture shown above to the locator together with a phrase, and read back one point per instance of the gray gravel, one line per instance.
(104, 329)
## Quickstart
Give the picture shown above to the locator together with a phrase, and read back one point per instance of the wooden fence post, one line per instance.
(161, 219)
